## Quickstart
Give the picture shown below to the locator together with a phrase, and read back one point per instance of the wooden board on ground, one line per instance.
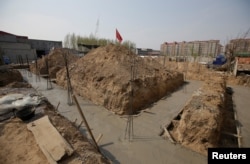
(52, 144)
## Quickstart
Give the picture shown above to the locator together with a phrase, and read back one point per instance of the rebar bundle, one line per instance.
(69, 86)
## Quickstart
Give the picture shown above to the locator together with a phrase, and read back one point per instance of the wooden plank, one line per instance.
(86, 123)
(231, 134)
(167, 134)
(44, 75)
(52, 144)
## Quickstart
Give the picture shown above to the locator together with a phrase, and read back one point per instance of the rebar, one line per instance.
(49, 83)
(69, 86)
(129, 131)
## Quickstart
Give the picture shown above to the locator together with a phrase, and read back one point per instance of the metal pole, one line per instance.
(69, 87)
(28, 69)
(86, 123)
(129, 131)
(49, 85)
(37, 71)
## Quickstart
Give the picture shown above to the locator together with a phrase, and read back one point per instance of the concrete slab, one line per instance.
(146, 146)
(241, 99)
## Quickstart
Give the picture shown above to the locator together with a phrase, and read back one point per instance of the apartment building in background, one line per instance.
(202, 51)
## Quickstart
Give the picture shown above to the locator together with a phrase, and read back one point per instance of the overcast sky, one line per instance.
(147, 23)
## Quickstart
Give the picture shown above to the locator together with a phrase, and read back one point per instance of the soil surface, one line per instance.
(111, 75)
(196, 71)
(18, 144)
(55, 61)
(198, 126)
(8, 76)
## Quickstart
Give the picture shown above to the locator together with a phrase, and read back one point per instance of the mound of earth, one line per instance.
(198, 125)
(8, 76)
(104, 77)
(55, 62)
(239, 80)
(197, 71)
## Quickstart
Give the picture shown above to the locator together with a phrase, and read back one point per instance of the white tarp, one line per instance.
(18, 101)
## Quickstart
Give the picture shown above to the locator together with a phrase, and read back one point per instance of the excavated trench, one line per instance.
(207, 120)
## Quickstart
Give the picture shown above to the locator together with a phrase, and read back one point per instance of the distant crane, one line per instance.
(97, 28)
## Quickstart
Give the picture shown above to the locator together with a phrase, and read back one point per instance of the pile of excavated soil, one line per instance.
(8, 76)
(104, 74)
(239, 80)
(191, 70)
(196, 71)
(199, 124)
(55, 62)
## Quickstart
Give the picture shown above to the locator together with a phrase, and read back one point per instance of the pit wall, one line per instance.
(198, 125)
(146, 91)
(117, 98)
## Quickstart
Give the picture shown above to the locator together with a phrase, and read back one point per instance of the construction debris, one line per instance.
(52, 144)
(19, 101)
(17, 139)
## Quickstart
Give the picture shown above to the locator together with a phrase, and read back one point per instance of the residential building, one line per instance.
(193, 50)
(147, 52)
(238, 47)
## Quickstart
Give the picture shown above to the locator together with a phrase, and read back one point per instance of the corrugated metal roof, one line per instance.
(17, 36)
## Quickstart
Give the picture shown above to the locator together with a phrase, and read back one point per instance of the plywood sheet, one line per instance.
(53, 145)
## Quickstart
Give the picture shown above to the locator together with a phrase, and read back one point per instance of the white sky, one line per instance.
(147, 23)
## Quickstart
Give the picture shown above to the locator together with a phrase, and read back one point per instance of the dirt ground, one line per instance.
(198, 125)
(201, 122)
(103, 76)
(196, 71)
(111, 75)
(18, 144)
(8, 76)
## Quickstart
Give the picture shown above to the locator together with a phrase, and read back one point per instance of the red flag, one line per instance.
(118, 36)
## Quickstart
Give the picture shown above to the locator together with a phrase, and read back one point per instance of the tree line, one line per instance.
(71, 40)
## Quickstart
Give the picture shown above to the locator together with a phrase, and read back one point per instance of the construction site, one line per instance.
(114, 106)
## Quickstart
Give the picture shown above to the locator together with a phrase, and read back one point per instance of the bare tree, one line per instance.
(231, 49)
(70, 41)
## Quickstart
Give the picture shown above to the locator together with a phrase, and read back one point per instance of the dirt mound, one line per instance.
(104, 74)
(199, 124)
(55, 62)
(196, 71)
(8, 76)
(239, 80)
